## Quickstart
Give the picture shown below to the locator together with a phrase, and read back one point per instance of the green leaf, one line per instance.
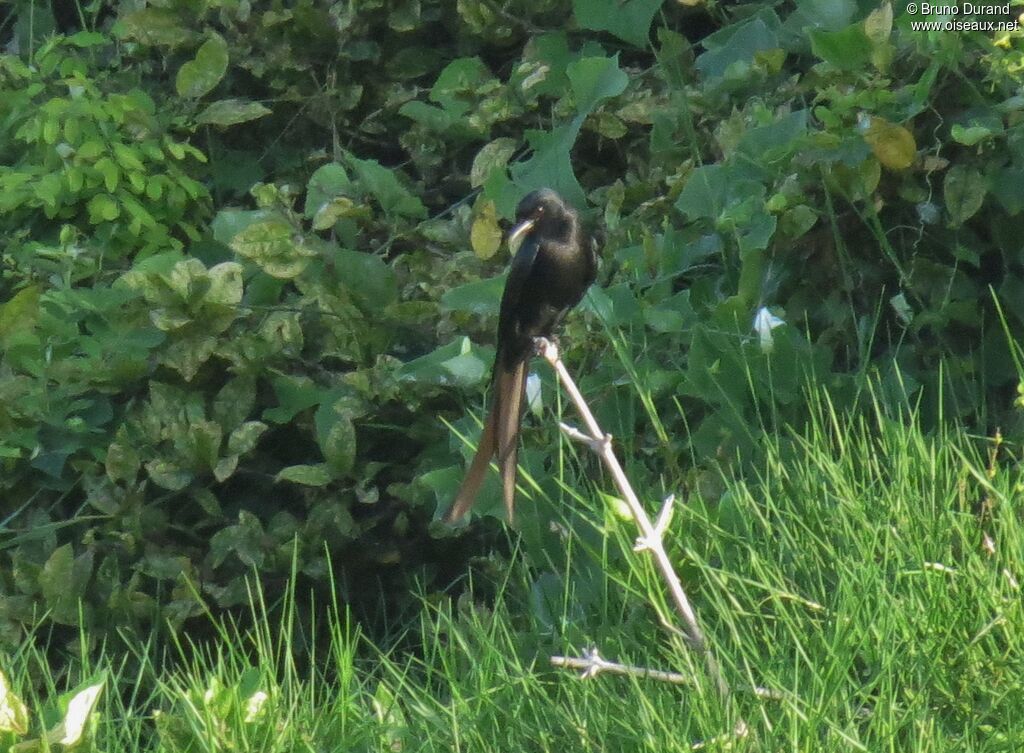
(103, 208)
(229, 112)
(230, 222)
(964, 189)
(847, 50)
(594, 79)
(198, 76)
(307, 475)
(736, 47)
(168, 475)
(448, 365)
(384, 186)
(336, 436)
(1007, 187)
(189, 353)
(154, 26)
(122, 463)
(234, 402)
(20, 313)
(630, 21)
(244, 438)
(480, 298)
(294, 395)
(367, 277)
(328, 182)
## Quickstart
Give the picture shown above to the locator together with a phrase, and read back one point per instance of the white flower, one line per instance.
(764, 322)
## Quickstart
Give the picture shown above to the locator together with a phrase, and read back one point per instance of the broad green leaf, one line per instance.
(465, 368)
(964, 189)
(847, 50)
(225, 467)
(594, 79)
(229, 112)
(969, 135)
(704, 192)
(294, 395)
(203, 443)
(230, 222)
(197, 77)
(154, 26)
(630, 20)
(307, 475)
(485, 234)
(551, 166)
(461, 76)
(446, 366)
(370, 280)
(189, 353)
(20, 313)
(1007, 187)
(62, 581)
(480, 297)
(234, 402)
(736, 47)
(122, 462)
(168, 475)
(384, 186)
(103, 208)
(797, 221)
(244, 438)
(328, 182)
(336, 436)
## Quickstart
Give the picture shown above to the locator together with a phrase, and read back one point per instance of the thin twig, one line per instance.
(592, 663)
(650, 538)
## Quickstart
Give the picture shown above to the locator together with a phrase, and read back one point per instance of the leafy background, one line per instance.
(251, 264)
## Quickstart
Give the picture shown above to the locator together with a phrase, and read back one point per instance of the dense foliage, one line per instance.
(246, 245)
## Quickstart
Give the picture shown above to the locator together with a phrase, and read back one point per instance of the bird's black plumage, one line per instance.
(552, 269)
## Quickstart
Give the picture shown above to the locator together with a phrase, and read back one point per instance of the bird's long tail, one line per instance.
(500, 438)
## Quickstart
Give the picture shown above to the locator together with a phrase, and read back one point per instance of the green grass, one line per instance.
(871, 575)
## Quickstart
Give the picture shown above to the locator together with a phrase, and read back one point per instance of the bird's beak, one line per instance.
(515, 237)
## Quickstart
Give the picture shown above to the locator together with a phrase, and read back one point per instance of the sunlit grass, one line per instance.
(869, 575)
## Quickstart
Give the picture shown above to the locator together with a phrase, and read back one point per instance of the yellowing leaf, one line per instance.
(13, 713)
(485, 235)
(892, 144)
(878, 24)
(197, 77)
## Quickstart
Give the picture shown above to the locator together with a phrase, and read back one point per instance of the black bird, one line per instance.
(555, 264)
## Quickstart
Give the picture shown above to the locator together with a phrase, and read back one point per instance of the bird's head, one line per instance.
(542, 211)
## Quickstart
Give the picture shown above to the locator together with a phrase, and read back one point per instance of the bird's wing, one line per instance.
(518, 272)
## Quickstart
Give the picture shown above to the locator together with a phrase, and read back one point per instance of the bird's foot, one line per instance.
(546, 347)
